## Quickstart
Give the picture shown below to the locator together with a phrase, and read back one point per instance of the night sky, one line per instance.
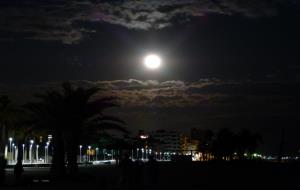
(225, 63)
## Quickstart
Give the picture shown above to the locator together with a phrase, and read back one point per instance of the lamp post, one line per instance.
(10, 148)
(45, 157)
(142, 154)
(37, 153)
(14, 152)
(89, 153)
(80, 148)
(47, 151)
(97, 153)
(23, 153)
(30, 151)
(137, 153)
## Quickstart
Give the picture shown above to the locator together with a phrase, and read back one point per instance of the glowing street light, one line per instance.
(80, 148)
(23, 146)
(37, 153)
(142, 153)
(12, 152)
(30, 151)
(15, 152)
(89, 147)
(47, 151)
(45, 157)
(10, 147)
(97, 153)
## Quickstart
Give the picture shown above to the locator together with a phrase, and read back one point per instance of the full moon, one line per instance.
(152, 61)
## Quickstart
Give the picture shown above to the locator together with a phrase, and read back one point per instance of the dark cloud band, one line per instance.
(181, 94)
(58, 20)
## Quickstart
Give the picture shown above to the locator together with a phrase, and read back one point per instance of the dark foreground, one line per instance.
(171, 175)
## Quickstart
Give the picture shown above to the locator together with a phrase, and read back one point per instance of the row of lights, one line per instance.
(89, 153)
(13, 146)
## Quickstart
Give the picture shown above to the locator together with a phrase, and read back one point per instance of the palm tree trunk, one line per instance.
(72, 156)
(58, 161)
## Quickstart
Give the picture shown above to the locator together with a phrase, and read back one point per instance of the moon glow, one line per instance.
(152, 61)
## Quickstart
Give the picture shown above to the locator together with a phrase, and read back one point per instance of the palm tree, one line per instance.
(247, 142)
(68, 114)
(224, 145)
(48, 114)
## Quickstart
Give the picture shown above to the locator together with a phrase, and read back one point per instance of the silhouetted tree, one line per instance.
(68, 114)
(247, 142)
(224, 144)
(48, 114)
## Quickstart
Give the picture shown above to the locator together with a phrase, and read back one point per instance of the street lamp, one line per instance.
(30, 151)
(23, 146)
(47, 151)
(15, 153)
(80, 148)
(10, 148)
(89, 147)
(45, 157)
(142, 154)
(37, 153)
(12, 152)
(97, 153)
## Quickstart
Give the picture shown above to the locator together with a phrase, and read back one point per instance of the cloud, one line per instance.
(212, 93)
(62, 20)
(204, 92)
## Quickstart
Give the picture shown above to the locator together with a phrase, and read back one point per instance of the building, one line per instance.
(188, 144)
(166, 141)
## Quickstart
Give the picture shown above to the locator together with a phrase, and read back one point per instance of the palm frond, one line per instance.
(108, 118)
(105, 125)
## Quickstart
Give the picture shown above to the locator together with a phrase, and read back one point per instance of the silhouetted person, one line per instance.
(152, 172)
(126, 166)
(18, 171)
(3, 164)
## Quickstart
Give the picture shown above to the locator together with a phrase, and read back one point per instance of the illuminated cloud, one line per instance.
(63, 20)
(178, 94)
